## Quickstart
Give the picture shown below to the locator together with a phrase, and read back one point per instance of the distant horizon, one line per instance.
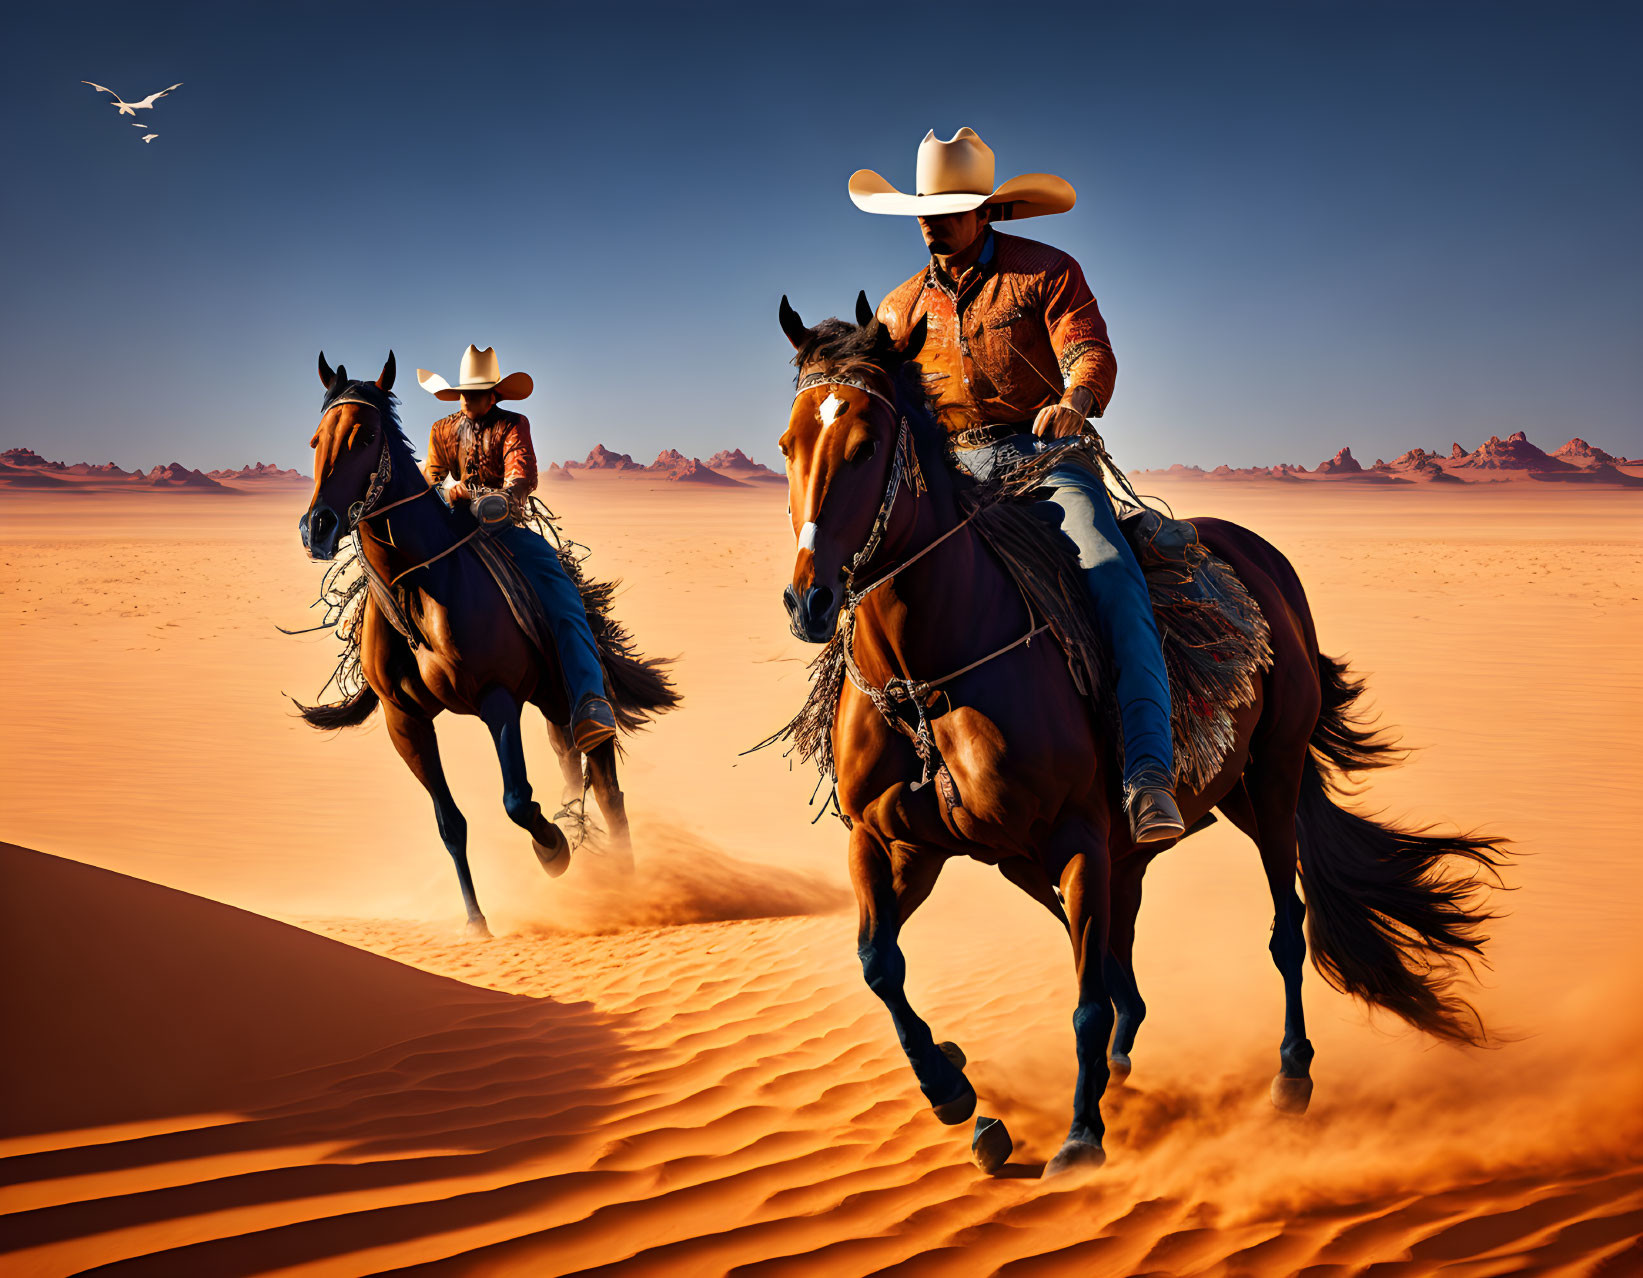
(545, 459)
(1301, 221)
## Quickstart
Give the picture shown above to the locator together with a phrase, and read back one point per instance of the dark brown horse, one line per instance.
(469, 654)
(1035, 782)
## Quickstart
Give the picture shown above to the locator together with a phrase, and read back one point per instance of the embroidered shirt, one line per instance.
(1009, 338)
(495, 453)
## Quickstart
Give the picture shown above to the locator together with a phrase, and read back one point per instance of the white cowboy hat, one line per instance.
(956, 176)
(480, 372)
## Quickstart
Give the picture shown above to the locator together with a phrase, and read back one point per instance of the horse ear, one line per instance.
(915, 339)
(342, 375)
(793, 326)
(386, 381)
(864, 311)
(326, 375)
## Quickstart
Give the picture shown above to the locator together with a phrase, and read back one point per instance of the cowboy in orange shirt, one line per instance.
(483, 455)
(1017, 359)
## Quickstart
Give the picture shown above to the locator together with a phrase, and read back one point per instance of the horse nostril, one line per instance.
(817, 600)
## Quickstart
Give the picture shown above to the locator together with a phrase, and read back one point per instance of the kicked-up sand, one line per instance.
(245, 1033)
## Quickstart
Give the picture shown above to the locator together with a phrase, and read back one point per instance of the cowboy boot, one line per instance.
(593, 724)
(1154, 815)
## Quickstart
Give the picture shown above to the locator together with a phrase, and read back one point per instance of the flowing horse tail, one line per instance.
(639, 687)
(1386, 921)
(347, 713)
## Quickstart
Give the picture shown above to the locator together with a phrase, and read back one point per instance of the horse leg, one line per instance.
(1264, 809)
(414, 738)
(887, 896)
(1085, 886)
(570, 762)
(602, 772)
(1119, 972)
(499, 708)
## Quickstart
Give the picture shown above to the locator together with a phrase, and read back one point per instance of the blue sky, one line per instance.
(1307, 224)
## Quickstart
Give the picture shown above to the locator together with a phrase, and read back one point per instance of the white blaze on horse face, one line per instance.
(831, 407)
(807, 538)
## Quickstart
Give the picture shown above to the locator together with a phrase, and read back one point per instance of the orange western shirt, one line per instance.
(1018, 331)
(496, 453)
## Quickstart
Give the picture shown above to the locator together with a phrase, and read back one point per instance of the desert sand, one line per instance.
(245, 1032)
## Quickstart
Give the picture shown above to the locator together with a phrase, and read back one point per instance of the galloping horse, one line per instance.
(472, 656)
(1034, 780)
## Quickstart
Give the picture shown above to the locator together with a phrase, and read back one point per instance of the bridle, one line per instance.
(913, 693)
(366, 508)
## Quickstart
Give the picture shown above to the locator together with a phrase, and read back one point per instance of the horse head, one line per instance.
(841, 446)
(349, 447)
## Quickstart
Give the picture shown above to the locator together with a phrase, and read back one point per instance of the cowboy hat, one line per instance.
(480, 372)
(956, 176)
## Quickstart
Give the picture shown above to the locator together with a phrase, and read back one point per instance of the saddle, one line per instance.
(1215, 640)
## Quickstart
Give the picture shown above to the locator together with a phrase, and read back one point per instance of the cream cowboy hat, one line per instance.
(480, 372)
(956, 176)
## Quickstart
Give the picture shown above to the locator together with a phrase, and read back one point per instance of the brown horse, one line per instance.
(468, 653)
(1035, 784)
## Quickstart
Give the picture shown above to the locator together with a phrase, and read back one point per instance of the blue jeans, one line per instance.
(1079, 505)
(578, 654)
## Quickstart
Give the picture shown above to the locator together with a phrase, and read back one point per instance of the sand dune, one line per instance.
(683, 1073)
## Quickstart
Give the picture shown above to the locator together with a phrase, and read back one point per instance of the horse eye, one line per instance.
(862, 452)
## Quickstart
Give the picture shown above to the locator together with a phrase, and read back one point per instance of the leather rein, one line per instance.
(367, 509)
(912, 693)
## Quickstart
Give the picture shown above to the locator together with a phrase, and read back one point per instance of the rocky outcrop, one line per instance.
(1342, 463)
(27, 458)
(259, 471)
(694, 472)
(1515, 452)
(737, 464)
(1577, 452)
(601, 458)
(176, 475)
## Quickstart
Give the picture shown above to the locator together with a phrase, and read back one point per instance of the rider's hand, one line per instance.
(1058, 421)
(459, 491)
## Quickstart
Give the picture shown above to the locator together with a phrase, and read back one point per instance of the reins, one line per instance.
(905, 691)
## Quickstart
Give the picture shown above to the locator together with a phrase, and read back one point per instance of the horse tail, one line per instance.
(1387, 921)
(1344, 740)
(639, 686)
(348, 713)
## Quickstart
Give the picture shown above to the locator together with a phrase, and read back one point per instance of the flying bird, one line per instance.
(150, 137)
(131, 108)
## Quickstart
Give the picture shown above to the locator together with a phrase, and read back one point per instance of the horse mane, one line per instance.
(386, 403)
(843, 348)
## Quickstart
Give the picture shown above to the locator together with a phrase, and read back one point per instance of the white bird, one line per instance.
(151, 137)
(131, 108)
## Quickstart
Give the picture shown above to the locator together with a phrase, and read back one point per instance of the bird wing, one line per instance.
(154, 97)
(101, 89)
(151, 137)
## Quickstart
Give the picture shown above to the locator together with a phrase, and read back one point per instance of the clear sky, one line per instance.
(1308, 224)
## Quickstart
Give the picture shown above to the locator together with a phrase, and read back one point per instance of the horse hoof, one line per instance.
(991, 1145)
(954, 1053)
(478, 927)
(554, 860)
(959, 1109)
(1291, 1095)
(1076, 1155)
(1118, 1065)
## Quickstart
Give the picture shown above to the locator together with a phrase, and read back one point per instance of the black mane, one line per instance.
(385, 402)
(839, 346)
